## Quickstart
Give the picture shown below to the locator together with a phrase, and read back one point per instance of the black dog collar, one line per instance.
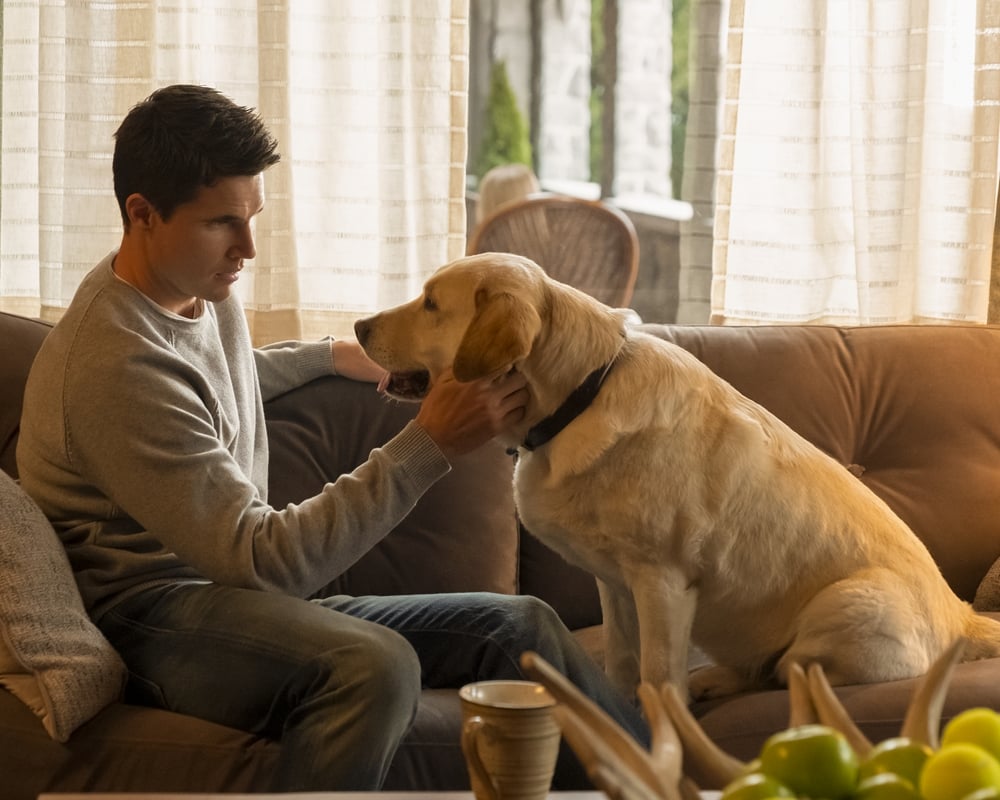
(574, 405)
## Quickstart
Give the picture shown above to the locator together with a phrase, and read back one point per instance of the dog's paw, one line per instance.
(707, 683)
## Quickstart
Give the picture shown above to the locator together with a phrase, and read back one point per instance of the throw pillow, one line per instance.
(52, 657)
(988, 594)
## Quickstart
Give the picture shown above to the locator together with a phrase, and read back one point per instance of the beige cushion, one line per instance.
(52, 657)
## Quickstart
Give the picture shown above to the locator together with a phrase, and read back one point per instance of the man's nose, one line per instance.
(246, 245)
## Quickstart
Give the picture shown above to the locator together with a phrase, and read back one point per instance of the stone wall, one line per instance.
(656, 296)
(642, 104)
(564, 138)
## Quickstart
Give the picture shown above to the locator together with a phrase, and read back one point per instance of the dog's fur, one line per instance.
(702, 515)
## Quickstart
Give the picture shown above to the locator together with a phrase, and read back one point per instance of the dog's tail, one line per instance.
(983, 634)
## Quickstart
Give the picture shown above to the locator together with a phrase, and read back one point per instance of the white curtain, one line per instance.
(367, 99)
(706, 66)
(857, 161)
(994, 305)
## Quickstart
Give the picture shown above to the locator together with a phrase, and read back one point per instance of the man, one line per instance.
(143, 440)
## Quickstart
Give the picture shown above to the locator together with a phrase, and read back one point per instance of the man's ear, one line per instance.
(500, 334)
(139, 210)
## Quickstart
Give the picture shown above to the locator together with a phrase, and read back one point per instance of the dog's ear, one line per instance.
(500, 334)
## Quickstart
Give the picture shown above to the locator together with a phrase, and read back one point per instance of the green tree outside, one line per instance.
(679, 91)
(506, 139)
(597, 83)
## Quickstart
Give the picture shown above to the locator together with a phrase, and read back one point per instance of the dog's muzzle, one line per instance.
(410, 385)
(406, 385)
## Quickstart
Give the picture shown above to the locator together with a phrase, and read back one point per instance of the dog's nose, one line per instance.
(362, 328)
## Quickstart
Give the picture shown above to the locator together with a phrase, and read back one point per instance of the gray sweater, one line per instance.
(143, 441)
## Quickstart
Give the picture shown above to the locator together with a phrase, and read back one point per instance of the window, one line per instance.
(601, 86)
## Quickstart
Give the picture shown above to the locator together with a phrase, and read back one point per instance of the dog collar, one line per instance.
(574, 405)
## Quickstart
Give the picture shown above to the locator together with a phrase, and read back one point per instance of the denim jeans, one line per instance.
(336, 680)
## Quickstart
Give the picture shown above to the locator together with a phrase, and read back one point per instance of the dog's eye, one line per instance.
(429, 304)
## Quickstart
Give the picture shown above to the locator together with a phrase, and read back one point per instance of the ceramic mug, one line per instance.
(510, 739)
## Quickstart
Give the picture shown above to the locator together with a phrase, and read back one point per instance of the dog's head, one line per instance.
(477, 315)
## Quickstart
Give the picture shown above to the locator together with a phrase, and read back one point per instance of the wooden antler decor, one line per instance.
(682, 758)
(613, 760)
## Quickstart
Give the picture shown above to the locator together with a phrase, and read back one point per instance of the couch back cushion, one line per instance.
(461, 535)
(914, 410)
(20, 337)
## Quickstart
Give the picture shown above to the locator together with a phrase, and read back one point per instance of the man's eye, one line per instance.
(429, 304)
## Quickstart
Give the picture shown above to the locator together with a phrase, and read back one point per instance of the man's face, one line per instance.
(199, 252)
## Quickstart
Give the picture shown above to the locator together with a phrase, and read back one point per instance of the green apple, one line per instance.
(885, 786)
(987, 793)
(958, 769)
(755, 786)
(976, 726)
(751, 766)
(812, 761)
(899, 755)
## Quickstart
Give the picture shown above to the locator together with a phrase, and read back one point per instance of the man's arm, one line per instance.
(286, 365)
(351, 361)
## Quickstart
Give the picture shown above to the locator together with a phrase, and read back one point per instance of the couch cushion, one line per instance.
(129, 749)
(740, 724)
(430, 757)
(21, 339)
(461, 535)
(52, 657)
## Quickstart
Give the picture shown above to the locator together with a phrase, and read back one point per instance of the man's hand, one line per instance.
(352, 362)
(460, 417)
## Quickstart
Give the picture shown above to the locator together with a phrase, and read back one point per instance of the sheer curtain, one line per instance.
(367, 98)
(994, 308)
(857, 162)
(706, 67)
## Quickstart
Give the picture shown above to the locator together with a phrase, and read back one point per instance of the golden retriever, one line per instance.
(703, 516)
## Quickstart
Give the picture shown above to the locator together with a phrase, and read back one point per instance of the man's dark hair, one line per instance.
(182, 138)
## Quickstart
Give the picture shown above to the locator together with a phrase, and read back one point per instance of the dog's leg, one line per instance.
(862, 629)
(715, 680)
(621, 637)
(665, 605)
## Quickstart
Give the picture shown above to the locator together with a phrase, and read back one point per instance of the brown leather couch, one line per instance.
(913, 411)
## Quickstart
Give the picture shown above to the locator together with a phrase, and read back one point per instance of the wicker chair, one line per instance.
(588, 244)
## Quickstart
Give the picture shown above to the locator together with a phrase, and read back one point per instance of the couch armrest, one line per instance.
(21, 339)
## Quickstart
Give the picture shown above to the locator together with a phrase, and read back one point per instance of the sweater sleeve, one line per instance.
(284, 366)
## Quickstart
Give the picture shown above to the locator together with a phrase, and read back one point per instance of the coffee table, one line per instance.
(309, 796)
(326, 796)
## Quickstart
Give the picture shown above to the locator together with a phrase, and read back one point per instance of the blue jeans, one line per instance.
(336, 680)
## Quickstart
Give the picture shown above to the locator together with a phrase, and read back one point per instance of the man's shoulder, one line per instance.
(101, 329)
(105, 307)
